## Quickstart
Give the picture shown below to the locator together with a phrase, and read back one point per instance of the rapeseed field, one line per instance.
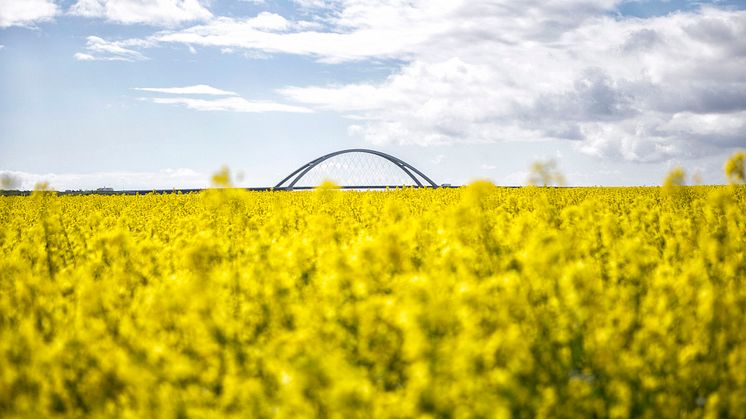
(472, 302)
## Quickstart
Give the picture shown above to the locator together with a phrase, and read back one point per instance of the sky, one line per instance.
(144, 94)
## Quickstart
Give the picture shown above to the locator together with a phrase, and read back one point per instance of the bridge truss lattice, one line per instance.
(357, 168)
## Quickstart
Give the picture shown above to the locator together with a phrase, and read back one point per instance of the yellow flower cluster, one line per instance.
(472, 302)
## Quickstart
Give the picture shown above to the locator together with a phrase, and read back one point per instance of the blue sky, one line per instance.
(158, 94)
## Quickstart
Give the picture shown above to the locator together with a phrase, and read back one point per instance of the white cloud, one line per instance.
(230, 104)
(80, 56)
(162, 179)
(476, 71)
(199, 89)
(98, 49)
(26, 12)
(719, 129)
(272, 33)
(632, 89)
(156, 12)
(361, 29)
(313, 3)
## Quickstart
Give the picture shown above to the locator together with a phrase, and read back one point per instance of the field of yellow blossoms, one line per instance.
(470, 302)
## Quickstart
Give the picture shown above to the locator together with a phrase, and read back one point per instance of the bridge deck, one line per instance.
(186, 191)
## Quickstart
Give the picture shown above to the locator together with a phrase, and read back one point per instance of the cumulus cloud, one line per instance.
(230, 102)
(167, 13)
(632, 89)
(639, 89)
(26, 12)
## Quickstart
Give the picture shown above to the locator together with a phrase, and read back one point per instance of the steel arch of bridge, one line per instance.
(407, 168)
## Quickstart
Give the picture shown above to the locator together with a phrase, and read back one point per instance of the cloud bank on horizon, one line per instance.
(615, 86)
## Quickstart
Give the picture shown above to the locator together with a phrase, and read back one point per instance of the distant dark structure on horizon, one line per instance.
(356, 168)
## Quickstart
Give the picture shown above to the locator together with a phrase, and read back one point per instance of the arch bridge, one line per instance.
(356, 168)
